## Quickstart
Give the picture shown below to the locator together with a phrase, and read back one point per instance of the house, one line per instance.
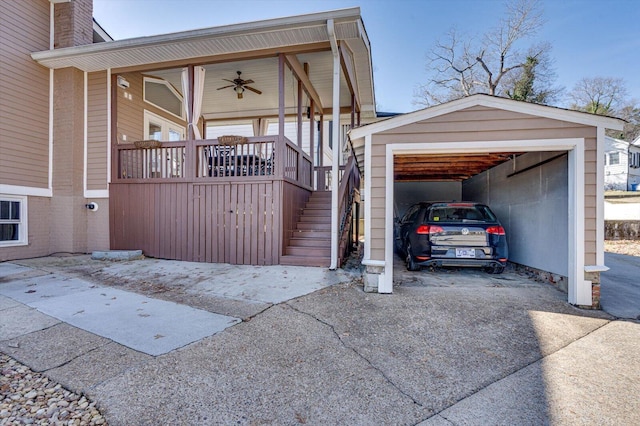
(539, 168)
(223, 144)
(622, 164)
(246, 144)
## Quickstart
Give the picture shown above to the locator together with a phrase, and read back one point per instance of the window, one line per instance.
(614, 158)
(161, 129)
(164, 96)
(13, 221)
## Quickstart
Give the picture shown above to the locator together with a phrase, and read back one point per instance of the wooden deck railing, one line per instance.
(206, 160)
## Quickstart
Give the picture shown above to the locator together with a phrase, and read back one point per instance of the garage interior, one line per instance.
(527, 191)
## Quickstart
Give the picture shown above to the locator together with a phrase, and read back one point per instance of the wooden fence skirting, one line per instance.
(226, 222)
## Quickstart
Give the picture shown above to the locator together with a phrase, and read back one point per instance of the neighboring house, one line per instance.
(188, 159)
(622, 165)
(83, 114)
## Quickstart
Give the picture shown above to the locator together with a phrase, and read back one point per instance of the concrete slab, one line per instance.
(145, 324)
(588, 379)
(442, 344)
(620, 286)
(21, 320)
(95, 366)
(267, 284)
(148, 325)
(9, 268)
(285, 368)
(6, 303)
(51, 347)
(44, 287)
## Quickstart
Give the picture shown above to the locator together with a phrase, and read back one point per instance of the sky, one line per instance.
(589, 38)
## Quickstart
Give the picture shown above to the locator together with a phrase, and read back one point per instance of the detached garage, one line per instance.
(539, 168)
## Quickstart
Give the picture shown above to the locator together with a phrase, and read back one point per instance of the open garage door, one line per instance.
(534, 187)
(527, 191)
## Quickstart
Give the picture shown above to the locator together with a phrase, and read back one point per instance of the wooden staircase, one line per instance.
(310, 242)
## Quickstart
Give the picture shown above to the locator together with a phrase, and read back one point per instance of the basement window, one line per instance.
(13, 221)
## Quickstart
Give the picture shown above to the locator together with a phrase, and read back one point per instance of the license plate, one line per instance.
(465, 252)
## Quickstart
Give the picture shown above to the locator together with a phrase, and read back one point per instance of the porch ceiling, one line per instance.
(224, 104)
(445, 167)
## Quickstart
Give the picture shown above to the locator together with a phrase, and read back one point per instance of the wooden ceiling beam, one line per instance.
(298, 71)
(228, 57)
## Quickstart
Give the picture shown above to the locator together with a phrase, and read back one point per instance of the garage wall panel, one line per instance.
(532, 206)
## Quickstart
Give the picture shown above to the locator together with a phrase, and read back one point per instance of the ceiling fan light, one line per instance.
(239, 89)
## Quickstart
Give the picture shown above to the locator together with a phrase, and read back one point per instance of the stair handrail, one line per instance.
(348, 191)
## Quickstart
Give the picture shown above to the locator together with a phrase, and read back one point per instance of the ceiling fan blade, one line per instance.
(224, 87)
(247, 82)
(230, 81)
(253, 90)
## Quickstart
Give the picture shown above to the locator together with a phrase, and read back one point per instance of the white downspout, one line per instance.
(335, 166)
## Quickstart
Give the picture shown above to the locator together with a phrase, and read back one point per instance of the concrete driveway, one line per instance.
(443, 349)
(620, 287)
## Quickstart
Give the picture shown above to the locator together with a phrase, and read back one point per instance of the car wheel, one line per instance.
(411, 264)
(495, 269)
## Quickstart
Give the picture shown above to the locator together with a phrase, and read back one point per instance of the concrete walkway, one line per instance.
(461, 351)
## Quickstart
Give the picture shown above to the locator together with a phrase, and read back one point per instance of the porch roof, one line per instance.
(216, 43)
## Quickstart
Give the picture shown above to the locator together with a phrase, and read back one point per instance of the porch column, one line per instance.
(335, 167)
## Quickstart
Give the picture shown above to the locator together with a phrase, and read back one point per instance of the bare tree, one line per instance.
(599, 95)
(608, 96)
(462, 66)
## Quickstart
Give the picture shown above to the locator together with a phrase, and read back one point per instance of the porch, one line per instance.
(237, 200)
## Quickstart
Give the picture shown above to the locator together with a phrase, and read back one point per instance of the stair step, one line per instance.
(318, 205)
(310, 226)
(309, 242)
(310, 234)
(305, 261)
(314, 219)
(317, 212)
(308, 251)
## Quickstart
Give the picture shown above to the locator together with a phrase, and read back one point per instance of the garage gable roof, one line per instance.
(491, 102)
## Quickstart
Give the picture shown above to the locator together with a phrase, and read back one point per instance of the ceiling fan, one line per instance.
(239, 85)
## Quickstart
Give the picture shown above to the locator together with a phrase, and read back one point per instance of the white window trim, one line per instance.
(170, 87)
(23, 228)
(579, 288)
(164, 123)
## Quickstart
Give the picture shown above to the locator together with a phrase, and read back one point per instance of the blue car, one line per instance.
(451, 234)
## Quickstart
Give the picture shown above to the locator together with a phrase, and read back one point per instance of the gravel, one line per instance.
(628, 247)
(27, 397)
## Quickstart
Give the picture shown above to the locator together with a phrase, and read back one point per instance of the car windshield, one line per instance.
(461, 213)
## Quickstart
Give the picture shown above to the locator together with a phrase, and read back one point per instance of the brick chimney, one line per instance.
(73, 23)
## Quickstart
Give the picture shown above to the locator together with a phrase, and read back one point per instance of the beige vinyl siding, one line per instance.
(24, 91)
(480, 124)
(97, 133)
(131, 111)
